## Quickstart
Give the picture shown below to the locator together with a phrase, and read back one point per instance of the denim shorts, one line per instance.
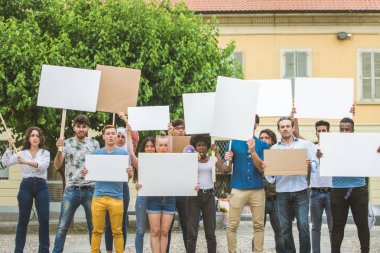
(161, 205)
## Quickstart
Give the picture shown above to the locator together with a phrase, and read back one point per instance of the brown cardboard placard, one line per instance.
(118, 89)
(179, 143)
(285, 162)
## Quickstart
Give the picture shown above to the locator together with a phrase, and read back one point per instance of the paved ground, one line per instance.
(78, 242)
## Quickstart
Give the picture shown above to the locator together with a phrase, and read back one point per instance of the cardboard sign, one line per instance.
(179, 143)
(275, 98)
(285, 162)
(69, 88)
(149, 118)
(168, 174)
(108, 168)
(198, 110)
(235, 108)
(350, 154)
(323, 98)
(119, 88)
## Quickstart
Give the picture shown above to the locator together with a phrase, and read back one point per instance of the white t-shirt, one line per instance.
(205, 175)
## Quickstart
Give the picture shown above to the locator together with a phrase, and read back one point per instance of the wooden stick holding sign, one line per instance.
(63, 124)
(113, 119)
(229, 149)
(8, 132)
(213, 159)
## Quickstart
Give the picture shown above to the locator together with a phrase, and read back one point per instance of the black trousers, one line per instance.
(180, 203)
(204, 202)
(358, 202)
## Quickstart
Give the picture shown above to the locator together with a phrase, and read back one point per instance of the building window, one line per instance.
(295, 63)
(369, 75)
(239, 60)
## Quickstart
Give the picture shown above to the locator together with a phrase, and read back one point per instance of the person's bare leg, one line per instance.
(166, 221)
(155, 223)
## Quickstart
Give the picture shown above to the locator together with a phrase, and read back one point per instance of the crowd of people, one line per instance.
(283, 198)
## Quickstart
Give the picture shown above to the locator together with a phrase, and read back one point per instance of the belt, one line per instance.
(82, 186)
(325, 189)
(271, 198)
(207, 190)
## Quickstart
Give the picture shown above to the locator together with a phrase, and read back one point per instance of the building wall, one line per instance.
(261, 42)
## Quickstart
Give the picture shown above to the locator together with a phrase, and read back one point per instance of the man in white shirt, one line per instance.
(320, 195)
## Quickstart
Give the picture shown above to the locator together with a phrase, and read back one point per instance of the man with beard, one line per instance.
(78, 191)
(292, 196)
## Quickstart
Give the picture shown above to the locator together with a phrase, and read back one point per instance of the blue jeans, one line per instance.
(319, 201)
(158, 204)
(272, 209)
(290, 205)
(36, 188)
(108, 231)
(141, 223)
(72, 198)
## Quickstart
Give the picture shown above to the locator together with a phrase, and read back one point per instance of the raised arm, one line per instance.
(219, 162)
(255, 157)
(58, 159)
(295, 122)
(8, 159)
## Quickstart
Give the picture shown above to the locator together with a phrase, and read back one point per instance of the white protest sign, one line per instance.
(350, 154)
(235, 108)
(69, 88)
(149, 118)
(108, 168)
(198, 110)
(323, 98)
(275, 98)
(168, 174)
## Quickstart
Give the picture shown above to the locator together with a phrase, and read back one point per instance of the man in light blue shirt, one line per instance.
(292, 196)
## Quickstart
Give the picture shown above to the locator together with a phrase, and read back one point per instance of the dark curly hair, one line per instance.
(195, 138)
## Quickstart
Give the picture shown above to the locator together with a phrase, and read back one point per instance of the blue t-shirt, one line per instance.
(112, 189)
(245, 175)
(348, 182)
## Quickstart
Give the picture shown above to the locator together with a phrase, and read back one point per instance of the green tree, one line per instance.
(176, 50)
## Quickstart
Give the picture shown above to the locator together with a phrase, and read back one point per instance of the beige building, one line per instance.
(286, 39)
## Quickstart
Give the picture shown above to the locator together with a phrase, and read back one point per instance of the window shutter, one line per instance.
(366, 65)
(376, 61)
(289, 64)
(238, 57)
(302, 64)
(366, 88)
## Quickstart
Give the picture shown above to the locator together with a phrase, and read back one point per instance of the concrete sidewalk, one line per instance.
(79, 243)
(9, 217)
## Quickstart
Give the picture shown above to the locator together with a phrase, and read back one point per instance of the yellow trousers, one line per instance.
(115, 208)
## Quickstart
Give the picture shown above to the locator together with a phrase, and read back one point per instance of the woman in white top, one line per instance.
(34, 160)
(205, 200)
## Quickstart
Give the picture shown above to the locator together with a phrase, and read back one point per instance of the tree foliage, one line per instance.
(176, 50)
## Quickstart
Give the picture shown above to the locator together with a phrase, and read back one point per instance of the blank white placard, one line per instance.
(275, 98)
(108, 168)
(323, 98)
(235, 108)
(198, 110)
(146, 118)
(350, 154)
(69, 88)
(168, 174)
